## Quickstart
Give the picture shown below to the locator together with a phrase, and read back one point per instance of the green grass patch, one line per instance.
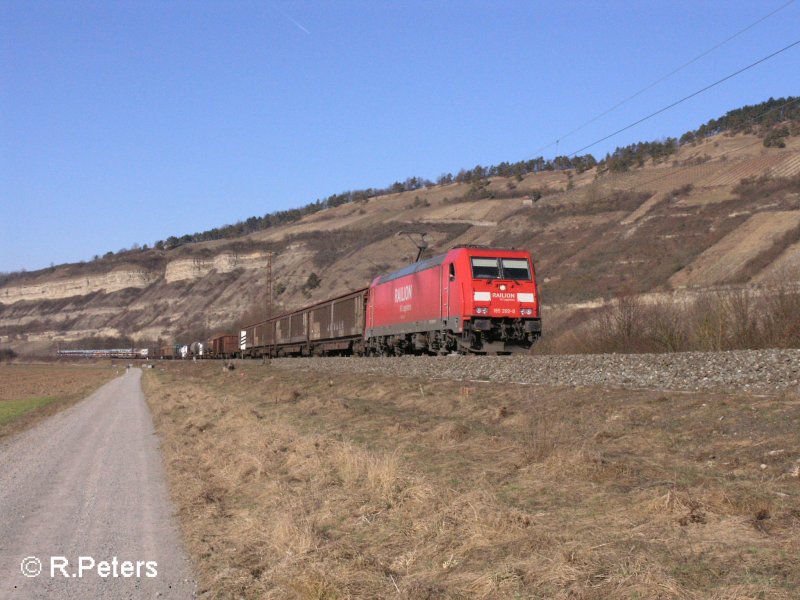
(13, 409)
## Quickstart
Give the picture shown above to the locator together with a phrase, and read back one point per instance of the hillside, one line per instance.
(721, 210)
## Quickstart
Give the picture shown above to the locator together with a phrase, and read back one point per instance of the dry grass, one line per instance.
(309, 487)
(31, 392)
(724, 319)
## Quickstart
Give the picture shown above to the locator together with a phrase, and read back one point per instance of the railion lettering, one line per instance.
(403, 293)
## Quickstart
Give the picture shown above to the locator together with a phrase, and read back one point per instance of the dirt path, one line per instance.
(87, 487)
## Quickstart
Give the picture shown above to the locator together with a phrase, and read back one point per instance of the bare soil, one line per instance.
(294, 484)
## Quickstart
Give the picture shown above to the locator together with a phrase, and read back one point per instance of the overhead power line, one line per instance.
(685, 98)
(673, 172)
(661, 79)
(752, 119)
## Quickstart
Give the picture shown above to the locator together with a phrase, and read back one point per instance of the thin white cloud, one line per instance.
(295, 23)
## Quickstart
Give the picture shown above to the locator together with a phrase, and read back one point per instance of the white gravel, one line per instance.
(88, 482)
(748, 370)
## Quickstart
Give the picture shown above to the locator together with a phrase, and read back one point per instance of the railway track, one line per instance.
(757, 371)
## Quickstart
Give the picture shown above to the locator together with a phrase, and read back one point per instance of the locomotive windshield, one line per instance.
(515, 268)
(505, 268)
(485, 268)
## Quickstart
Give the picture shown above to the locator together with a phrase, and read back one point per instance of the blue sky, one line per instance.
(126, 122)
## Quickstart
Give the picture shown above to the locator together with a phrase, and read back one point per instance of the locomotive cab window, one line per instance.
(516, 268)
(485, 268)
(452, 270)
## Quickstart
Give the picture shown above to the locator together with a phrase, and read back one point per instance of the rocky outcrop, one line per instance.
(130, 277)
(56, 289)
(40, 310)
(196, 268)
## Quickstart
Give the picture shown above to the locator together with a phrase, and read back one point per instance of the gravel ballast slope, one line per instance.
(748, 370)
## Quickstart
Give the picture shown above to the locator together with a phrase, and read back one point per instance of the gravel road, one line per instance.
(747, 370)
(88, 482)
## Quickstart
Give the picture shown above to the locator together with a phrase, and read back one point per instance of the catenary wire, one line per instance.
(679, 170)
(663, 78)
(685, 98)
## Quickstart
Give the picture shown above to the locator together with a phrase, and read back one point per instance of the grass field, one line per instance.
(29, 392)
(13, 409)
(295, 485)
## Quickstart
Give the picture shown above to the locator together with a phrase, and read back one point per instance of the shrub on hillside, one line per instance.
(775, 137)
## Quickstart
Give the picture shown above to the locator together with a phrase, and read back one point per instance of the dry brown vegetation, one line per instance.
(305, 486)
(725, 319)
(766, 257)
(41, 390)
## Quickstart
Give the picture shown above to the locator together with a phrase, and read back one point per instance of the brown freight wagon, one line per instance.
(335, 326)
(256, 340)
(290, 333)
(224, 345)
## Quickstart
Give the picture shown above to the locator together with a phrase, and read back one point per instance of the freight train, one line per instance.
(470, 300)
(220, 346)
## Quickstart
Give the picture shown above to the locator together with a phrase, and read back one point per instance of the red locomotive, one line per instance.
(469, 300)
